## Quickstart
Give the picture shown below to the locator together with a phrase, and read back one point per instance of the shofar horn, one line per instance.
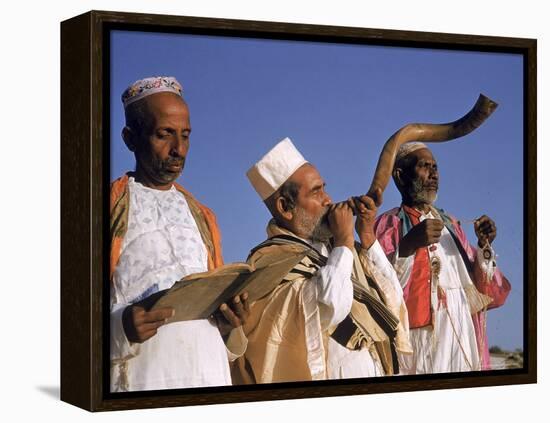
(426, 132)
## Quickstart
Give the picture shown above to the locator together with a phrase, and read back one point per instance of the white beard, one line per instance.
(420, 195)
(315, 229)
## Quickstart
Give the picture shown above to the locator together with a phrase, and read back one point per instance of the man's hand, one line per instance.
(425, 233)
(231, 316)
(139, 323)
(486, 230)
(365, 210)
(340, 220)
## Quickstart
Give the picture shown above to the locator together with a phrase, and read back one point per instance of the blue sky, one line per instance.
(339, 104)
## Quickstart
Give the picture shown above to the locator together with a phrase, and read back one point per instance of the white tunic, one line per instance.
(451, 346)
(162, 245)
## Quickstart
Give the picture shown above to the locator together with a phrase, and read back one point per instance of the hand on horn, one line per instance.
(365, 209)
(377, 195)
(340, 220)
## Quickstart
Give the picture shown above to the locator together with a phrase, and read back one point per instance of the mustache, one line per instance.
(418, 185)
(174, 161)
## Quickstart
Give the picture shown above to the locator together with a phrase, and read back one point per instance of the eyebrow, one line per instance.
(169, 128)
(319, 186)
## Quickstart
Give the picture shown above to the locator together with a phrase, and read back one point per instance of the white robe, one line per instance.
(162, 245)
(451, 346)
(341, 361)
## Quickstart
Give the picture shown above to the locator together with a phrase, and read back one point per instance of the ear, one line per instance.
(129, 138)
(283, 210)
(399, 176)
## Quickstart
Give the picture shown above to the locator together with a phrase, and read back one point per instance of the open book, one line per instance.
(199, 295)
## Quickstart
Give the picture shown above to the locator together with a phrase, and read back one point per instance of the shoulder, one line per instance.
(119, 183)
(448, 216)
(191, 198)
(200, 211)
(388, 218)
(455, 225)
(118, 189)
(391, 213)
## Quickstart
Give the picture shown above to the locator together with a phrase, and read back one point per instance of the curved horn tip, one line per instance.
(491, 103)
(483, 97)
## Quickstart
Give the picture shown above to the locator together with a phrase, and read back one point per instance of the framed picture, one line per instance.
(339, 94)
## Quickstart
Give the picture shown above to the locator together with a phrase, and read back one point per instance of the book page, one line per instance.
(199, 295)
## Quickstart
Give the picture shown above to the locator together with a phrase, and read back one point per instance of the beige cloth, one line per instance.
(392, 295)
(286, 329)
(286, 338)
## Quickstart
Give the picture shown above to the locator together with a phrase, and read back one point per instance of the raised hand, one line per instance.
(365, 210)
(486, 230)
(425, 233)
(340, 220)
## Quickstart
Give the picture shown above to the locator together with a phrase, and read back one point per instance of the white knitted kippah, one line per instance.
(148, 86)
(407, 149)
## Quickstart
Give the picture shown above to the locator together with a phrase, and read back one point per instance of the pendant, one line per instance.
(436, 267)
(487, 253)
(489, 258)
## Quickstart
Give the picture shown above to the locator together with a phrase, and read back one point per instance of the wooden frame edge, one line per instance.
(83, 202)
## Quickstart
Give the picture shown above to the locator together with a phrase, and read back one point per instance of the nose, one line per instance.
(434, 173)
(180, 146)
(327, 200)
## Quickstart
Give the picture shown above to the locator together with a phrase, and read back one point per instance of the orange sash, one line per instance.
(417, 292)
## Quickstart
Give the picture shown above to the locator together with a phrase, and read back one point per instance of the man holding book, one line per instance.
(159, 234)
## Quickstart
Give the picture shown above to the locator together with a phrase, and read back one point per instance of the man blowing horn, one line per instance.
(340, 312)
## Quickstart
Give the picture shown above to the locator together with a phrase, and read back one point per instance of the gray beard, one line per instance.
(315, 228)
(419, 195)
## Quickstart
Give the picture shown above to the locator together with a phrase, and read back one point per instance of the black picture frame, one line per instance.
(84, 205)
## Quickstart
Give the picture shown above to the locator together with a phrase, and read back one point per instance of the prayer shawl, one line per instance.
(393, 225)
(204, 217)
(280, 351)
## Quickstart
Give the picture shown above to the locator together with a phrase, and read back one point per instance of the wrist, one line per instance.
(367, 240)
(127, 324)
(347, 241)
(483, 242)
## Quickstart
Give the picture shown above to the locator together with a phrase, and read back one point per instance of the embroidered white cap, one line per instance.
(148, 86)
(407, 149)
(275, 168)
